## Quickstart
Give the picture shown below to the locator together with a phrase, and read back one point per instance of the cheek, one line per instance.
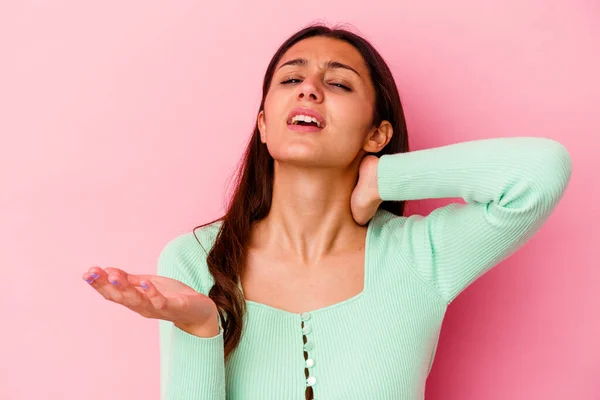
(274, 108)
(353, 121)
(362, 113)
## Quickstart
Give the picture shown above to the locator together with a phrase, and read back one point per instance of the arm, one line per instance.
(191, 367)
(511, 185)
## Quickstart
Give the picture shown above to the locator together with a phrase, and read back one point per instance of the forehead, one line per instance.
(319, 50)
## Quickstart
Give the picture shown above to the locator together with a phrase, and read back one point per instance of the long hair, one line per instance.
(251, 199)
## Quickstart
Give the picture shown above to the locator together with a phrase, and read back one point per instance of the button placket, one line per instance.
(309, 362)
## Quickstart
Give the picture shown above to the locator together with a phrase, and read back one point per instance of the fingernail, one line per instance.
(94, 275)
(88, 280)
(113, 281)
(144, 285)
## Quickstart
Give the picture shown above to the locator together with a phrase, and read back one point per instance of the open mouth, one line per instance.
(305, 120)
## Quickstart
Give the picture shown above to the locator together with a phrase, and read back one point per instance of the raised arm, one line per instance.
(511, 186)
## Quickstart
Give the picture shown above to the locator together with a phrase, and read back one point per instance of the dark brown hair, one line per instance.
(251, 199)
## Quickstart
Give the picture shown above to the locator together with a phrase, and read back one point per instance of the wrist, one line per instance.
(375, 196)
(207, 330)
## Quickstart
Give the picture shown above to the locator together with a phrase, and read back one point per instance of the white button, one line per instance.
(310, 363)
(311, 381)
(306, 329)
(305, 316)
(308, 346)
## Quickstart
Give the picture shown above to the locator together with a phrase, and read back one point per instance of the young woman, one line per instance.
(314, 285)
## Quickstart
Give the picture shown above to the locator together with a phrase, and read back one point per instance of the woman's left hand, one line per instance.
(365, 198)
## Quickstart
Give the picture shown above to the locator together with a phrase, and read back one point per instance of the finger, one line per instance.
(120, 273)
(89, 277)
(91, 274)
(104, 287)
(158, 300)
(130, 297)
(133, 279)
(116, 271)
(137, 279)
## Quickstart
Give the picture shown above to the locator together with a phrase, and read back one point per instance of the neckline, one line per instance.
(331, 306)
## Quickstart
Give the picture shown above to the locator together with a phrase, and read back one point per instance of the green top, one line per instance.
(380, 343)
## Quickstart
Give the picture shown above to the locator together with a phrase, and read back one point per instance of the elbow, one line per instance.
(540, 188)
(549, 178)
(553, 172)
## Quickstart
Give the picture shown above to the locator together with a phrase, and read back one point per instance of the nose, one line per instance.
(310, 89)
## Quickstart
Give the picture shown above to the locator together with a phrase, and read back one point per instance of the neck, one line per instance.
(310, 213)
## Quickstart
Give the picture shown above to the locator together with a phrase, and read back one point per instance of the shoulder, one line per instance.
(184, 257)
(193, 244)
(394, 235)
(386, 225)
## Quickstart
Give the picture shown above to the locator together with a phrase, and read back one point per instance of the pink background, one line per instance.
(121, 123)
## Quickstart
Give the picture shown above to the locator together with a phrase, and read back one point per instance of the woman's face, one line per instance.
(326, 79)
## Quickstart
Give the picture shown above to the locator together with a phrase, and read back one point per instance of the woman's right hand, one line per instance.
(157, 297)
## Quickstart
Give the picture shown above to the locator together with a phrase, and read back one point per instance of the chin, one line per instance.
(295, 152)
(299, 160)
(307, 154)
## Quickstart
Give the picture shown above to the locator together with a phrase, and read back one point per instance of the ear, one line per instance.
(378, 138)
(262, 126)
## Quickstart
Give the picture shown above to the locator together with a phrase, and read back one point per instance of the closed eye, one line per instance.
(291, 80)
(295, 80)
(346, 88)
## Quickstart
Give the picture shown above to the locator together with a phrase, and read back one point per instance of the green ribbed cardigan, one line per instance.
(379, 344)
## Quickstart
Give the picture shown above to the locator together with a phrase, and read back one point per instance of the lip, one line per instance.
(305, 111)
(303, 128)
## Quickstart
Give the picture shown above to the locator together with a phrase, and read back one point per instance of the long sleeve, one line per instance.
(510, 185)
(191, 367)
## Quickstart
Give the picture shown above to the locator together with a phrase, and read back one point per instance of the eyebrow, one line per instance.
(302, 62)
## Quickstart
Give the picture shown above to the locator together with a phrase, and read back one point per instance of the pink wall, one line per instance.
(122, 121)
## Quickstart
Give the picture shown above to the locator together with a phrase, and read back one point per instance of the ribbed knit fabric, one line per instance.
(379, 344)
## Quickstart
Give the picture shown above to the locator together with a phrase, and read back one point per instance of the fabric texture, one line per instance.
(379, 344)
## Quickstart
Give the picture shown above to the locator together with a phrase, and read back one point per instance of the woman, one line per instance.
(313, 285)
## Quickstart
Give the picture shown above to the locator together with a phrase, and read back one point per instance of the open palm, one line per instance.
(153, 296)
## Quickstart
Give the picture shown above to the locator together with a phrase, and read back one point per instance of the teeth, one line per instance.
(304, 118)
